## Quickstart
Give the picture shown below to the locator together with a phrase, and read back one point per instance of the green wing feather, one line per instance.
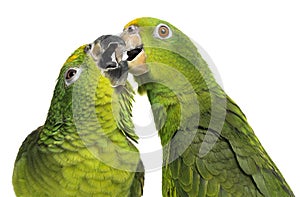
(237, 165)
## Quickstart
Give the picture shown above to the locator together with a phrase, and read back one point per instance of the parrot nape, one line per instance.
(209, 149)
(84, 148)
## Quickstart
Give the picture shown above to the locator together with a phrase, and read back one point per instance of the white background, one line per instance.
(254, 44)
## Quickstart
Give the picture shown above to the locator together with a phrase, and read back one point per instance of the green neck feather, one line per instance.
(181, 88)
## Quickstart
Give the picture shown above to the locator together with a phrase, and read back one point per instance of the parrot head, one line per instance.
(150, 40)
(90, 94)
(160, 52)
(90, 73)
(106, 53)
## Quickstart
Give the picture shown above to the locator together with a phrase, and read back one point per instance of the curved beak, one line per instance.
(134, 48)
(107, 51)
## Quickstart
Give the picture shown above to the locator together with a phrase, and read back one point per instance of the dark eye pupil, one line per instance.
(163, 31)
(71, 73)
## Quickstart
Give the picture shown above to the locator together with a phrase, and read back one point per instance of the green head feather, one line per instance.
(177, 50)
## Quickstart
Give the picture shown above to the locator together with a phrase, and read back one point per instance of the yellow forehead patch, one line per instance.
(133, 22)
(77, 53)
(73, 57)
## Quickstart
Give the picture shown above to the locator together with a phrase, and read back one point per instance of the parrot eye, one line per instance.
(162, 31)
(72, 75)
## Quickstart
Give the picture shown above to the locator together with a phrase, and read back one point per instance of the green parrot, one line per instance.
(84, 148)
(209, 149)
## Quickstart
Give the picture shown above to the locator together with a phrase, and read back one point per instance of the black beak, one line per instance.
(108, 51)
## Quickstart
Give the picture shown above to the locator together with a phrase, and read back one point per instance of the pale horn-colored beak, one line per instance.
(136, 55)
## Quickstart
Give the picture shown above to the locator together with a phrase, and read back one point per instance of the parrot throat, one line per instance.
(172, 114)
(178, 98)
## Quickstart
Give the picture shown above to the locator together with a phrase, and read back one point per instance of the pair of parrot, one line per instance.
(85, 146)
